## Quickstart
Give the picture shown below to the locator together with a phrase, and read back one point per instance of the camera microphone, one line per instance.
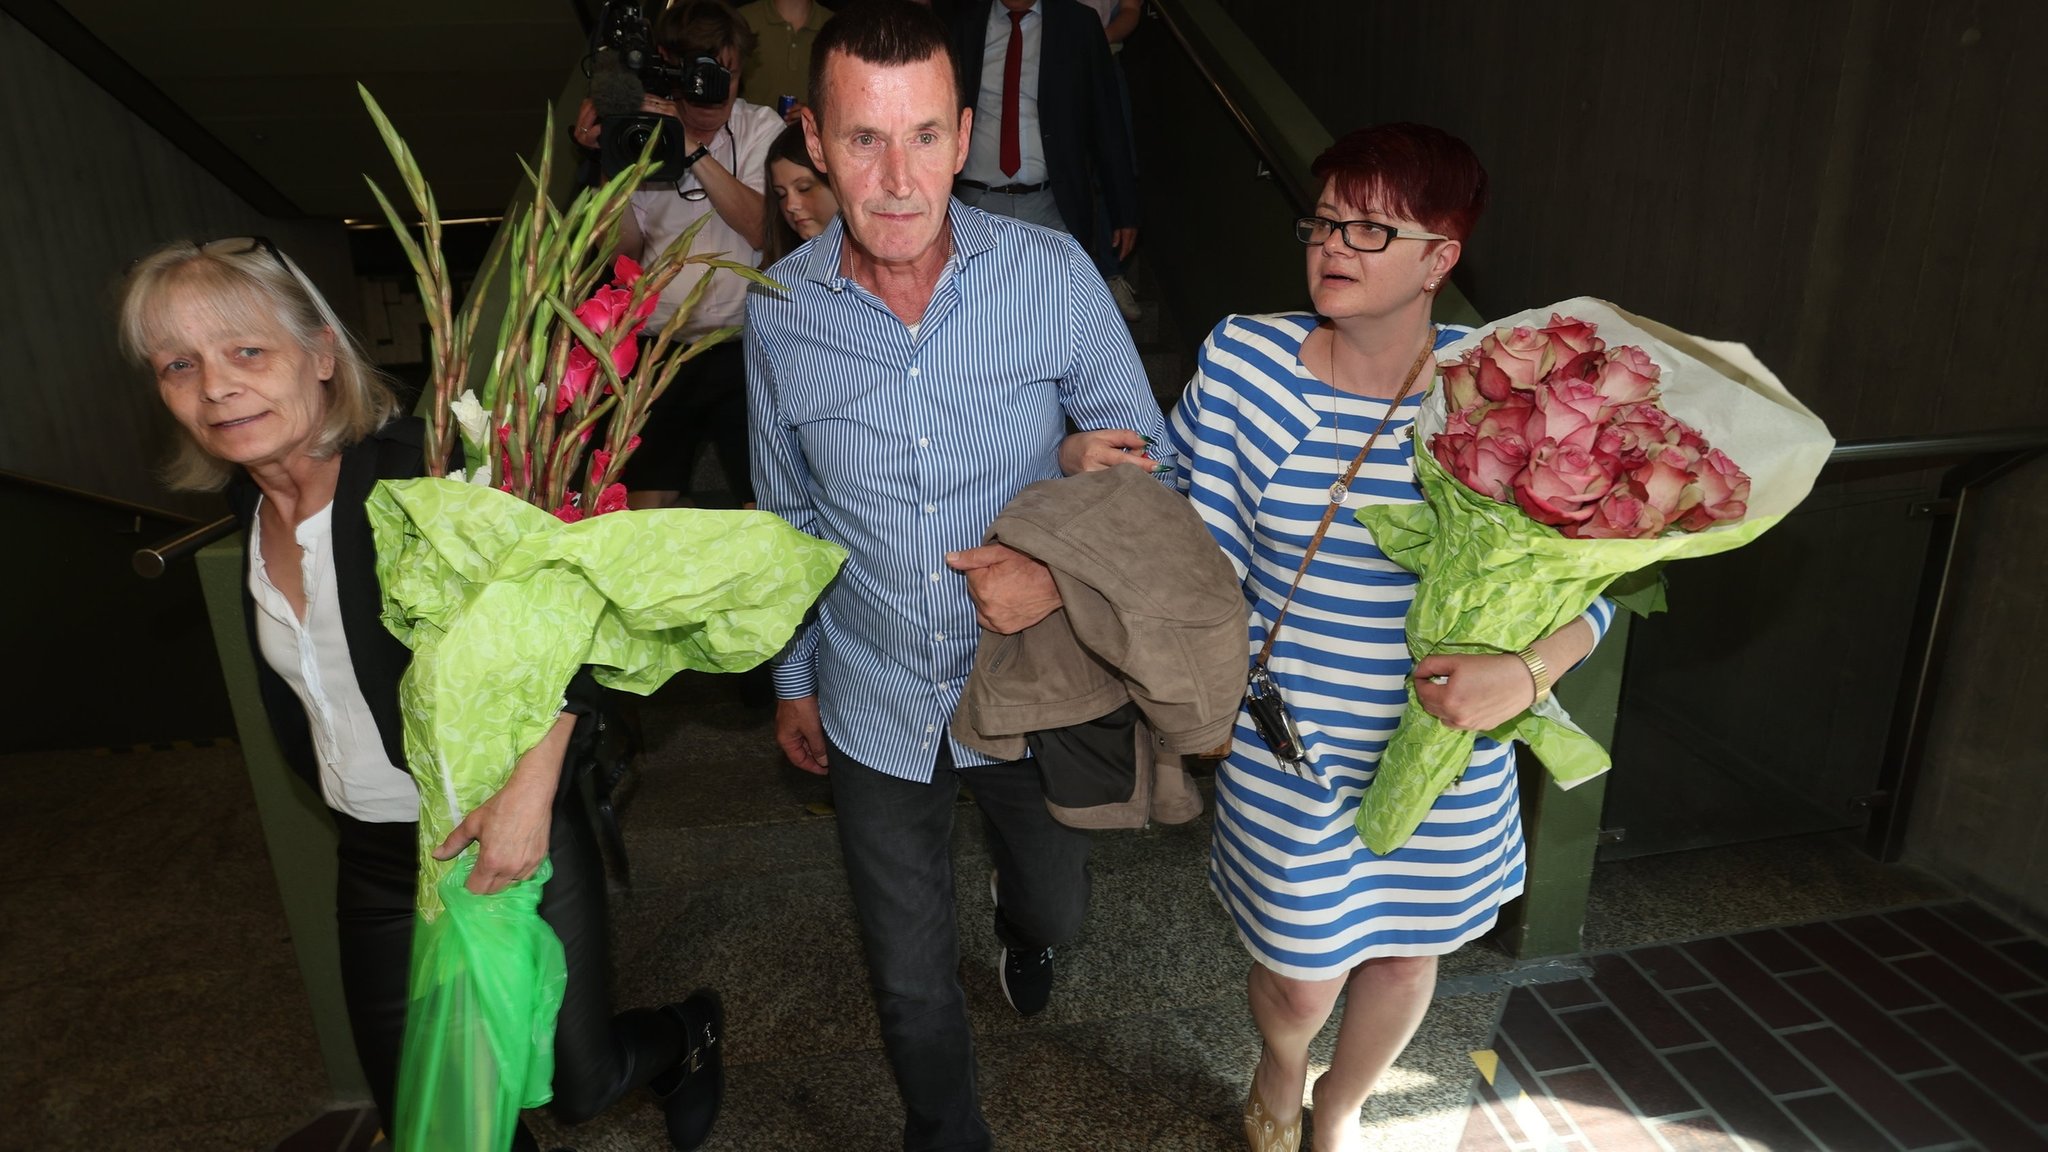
(614, 91)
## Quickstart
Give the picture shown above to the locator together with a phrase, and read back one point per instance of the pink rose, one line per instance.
(1463, 421)
(1461, 385)
(1628, 376)
(1570, 412)
(1724, 492)
(1510, 417)
(1561, 484)
(1521, 354)
(1664, 481)
(1487, 465)
(1569, 336)
(1620, 515)
(612, 499)
(1633, 429)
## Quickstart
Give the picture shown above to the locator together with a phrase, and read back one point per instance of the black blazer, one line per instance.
(1080, 116)
(394, 452)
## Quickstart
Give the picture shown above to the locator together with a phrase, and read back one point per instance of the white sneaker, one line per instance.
(1126, 299)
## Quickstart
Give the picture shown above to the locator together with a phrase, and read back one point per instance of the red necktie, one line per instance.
(1012, 157)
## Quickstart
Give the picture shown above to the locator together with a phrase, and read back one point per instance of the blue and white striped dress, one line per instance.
(1261, 441)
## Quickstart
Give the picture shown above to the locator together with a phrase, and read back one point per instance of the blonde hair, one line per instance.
(230, 280)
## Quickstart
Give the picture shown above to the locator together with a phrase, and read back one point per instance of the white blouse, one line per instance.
(356, 777)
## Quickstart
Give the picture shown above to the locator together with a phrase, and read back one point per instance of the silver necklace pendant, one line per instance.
(1338, 491)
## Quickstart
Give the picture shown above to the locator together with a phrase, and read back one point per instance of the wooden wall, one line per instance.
(90, 187)
(1852, 187)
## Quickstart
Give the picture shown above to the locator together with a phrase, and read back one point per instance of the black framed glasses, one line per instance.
(1359, 235)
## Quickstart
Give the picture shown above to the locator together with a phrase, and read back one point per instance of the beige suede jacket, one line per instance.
(1153, 616)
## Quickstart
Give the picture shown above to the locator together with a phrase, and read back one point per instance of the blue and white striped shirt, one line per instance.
(903, 445)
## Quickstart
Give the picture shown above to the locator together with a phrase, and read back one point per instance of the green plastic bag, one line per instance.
(487, 982)
(1494, 580)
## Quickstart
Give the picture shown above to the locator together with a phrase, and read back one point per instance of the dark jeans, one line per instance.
(896, 836)
(599, 1057)
(705, 404)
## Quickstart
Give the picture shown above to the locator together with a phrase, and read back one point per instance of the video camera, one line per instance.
(626, 66)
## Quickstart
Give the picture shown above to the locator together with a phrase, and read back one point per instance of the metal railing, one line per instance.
(151, 562)
(1974, 460)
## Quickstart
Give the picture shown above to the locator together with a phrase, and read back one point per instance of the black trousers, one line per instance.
(896, 837)
(599, 1057)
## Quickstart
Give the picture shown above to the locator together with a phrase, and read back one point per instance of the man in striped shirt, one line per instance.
(919, 370)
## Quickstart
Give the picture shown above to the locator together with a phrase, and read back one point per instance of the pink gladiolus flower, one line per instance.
(599, 461)
(568, 513)
(1561, 484)
(612, 499)
(625, 271)
(1724, 492)
(575, 378)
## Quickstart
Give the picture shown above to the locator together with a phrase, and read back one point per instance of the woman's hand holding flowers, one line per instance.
(511, 828)
(1479, 693)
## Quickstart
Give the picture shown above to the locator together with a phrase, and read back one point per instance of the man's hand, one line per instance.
(1103, 448)
(1124, 239)
(1010, 590)
(801, 734)
(511, 828)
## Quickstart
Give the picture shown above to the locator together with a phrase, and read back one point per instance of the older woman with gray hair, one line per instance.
(279, 407)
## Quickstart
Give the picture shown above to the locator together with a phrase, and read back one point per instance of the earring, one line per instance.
(1430, 287)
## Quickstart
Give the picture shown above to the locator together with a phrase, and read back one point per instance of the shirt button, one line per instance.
(930, 508)
(914, 372)
(927, 746)
(924, 442)
(930, 728)
(938, 635)
(935, 577)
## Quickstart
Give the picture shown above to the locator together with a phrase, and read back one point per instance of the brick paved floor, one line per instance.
(1917, 1029)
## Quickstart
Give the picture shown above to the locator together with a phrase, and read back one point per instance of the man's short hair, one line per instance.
(880, 32)
(692, 28)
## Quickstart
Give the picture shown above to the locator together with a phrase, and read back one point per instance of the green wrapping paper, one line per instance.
(501, 603)
(1493, 580)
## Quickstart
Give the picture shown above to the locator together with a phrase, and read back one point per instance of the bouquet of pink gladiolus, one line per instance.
(1568, 447)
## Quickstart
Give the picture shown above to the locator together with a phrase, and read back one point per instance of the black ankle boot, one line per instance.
(692, 1091)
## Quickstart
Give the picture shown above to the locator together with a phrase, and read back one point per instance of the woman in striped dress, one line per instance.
(1278, 409)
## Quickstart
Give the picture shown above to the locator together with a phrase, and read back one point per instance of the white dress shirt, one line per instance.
(356, 777)
(662, 213)
(985, 147)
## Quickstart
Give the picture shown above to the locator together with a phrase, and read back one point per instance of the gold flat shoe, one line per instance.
(1264, 1134)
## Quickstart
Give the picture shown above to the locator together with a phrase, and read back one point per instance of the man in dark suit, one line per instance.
(1047, 123)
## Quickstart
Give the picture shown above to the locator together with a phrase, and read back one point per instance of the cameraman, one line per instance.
(726, 145)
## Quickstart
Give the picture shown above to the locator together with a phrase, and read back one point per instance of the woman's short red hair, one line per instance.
(1412, 170)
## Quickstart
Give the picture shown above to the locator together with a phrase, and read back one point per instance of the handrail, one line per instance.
(1282, 127)
(151, 562)
(1942, 447)
(140, 509)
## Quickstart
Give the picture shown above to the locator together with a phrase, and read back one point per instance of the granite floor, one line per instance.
(149, 997)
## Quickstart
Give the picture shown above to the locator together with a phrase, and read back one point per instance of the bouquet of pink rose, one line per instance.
(1569, 430)
(1553, 462)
